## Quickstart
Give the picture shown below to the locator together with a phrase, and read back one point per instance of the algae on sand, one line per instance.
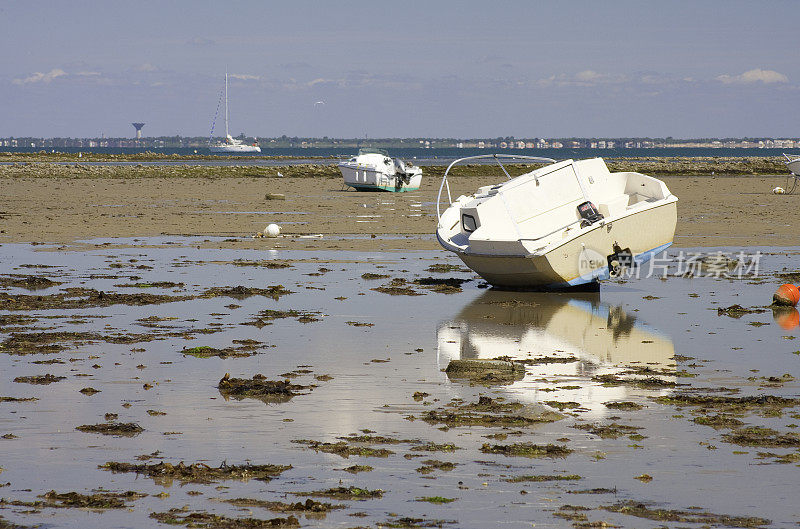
(527, 450)
(641, 510)
(343, 449)
(345, 493)
(165, 473)
(487, 372)
(128, 429)
(204, 520)
(258, 387)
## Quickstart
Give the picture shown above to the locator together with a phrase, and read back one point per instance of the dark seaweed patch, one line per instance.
(608, 431)
(241, 292)
(527, 450)
(641, 510)
(543, 477)
(344, 449)
(165, 473)
(258, 387)
(39, 379)
(123, 429)
(28, 282)
(65, 500)
(344, 493)
(204, 520)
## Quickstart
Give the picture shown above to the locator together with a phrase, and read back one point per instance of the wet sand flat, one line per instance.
(153, 383)
(712, 211)
(160, 366)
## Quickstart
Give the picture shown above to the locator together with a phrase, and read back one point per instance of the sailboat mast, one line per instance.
(226, 104)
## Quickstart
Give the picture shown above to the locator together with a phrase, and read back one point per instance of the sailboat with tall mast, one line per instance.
(229, 144)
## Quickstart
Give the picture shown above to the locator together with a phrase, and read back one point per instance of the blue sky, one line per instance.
(415, 68)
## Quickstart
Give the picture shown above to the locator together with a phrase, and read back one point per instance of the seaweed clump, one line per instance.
(486, 372)
(527, 450)
(121, 429)
(736, 405)
(343, 449)
(308, 506)
(345, 493)
(641, 510)
(204, 520)
(608, 431)
(258, 387)
(757, 436)
(42, 380)
(266, 317)
(205, 351)
(450, 285)
(242, 292)
(737, 311)
(489, 412)
(165, 473)
(67, 500)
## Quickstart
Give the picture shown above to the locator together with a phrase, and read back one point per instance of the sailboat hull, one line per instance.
(234, 148)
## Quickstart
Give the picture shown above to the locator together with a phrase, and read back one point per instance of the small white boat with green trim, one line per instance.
(567, 224)
(374, 170)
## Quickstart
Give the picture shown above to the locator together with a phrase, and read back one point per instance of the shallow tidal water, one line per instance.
(362, 355)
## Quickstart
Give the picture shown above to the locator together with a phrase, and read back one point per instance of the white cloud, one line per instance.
(754, 76)
(146, 67)
(245, 77)
(588, 76)
(584, 78)
(39, 77)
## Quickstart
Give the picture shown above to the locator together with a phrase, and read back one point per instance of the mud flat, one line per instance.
(159, 366)
(242, 388)
(46, 202)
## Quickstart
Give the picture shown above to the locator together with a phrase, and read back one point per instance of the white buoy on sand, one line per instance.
(273, 230)
(778, 191)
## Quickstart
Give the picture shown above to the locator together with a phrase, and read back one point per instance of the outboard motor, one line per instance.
(400, 171)
(588, 213)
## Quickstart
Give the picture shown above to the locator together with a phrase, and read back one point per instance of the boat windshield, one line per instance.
(371, 150)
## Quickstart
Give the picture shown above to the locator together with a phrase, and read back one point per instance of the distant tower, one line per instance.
(138, 127)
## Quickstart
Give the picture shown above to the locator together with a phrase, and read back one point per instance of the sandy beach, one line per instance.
(712, 211)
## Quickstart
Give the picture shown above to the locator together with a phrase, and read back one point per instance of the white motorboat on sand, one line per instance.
(374, 170)
(567, 224)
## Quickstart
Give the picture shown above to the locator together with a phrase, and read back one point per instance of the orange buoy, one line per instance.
(787, 317)
(787, 295)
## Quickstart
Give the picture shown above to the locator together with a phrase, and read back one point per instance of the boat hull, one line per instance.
(227, 149)
(794, 166)
(366, 178)
(562, 267)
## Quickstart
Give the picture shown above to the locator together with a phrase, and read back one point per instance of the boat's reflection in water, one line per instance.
(529, 326)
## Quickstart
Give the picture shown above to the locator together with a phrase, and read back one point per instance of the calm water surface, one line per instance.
(375, 372)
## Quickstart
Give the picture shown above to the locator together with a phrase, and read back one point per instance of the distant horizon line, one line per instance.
(421, 138)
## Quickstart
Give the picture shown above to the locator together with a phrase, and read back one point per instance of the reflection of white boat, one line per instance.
(230, 144)
(530, 326)
(525, 326)
(566, 224)
(374, 170)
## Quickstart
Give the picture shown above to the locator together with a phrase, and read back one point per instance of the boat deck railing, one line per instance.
(446, 185)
